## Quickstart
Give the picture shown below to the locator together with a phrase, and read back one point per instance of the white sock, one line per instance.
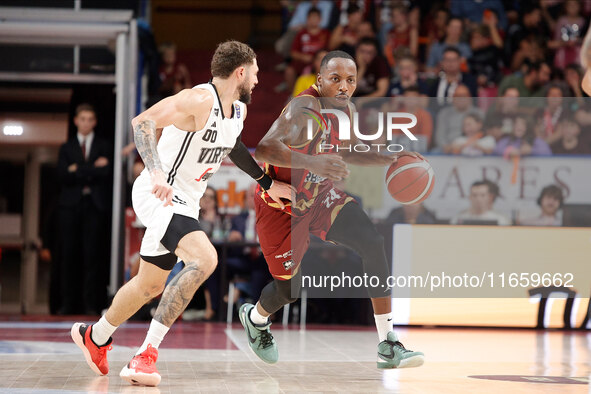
(384, 325)
(155, 335)
(102, 331)
(256, 317)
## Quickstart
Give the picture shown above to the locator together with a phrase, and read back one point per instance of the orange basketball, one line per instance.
(410, 180)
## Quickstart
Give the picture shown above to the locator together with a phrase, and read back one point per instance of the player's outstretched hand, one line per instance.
(160, 188)
(329, 166)
(279, 190)
(407, 153)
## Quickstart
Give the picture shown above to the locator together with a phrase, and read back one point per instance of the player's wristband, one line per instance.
(265, 181)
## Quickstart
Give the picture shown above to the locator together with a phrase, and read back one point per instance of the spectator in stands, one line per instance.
(174, 76)
(451, 77)
(343, 9)
(493, 127)
(411, 214)
(568, 35)
(247, 263)
(450, 119)
(373, 75)
(365, 30)
(436, 27)
(533, 77)
(307, 42)
(530, 50)
(84, 170)
(551, 114)
(403, 34)
(530, 25)
(405, 76)
(243, 224)
(474, 142)
(491, 20)
(202, 305)
(505, 108)
(209, 216)
(486, 60)
(305, 81)
(522, 141)
(571, 141)
(423, 130)
(346, 37)
(482, 198)
(550, 202)
(573, 76)
(453, 36)
(298, 22)
(300, 16)
(473, 10)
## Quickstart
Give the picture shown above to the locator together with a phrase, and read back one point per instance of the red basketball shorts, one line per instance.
(285, 238)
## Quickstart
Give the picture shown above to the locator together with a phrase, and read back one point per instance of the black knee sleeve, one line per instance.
(353, 228)
(280, 292)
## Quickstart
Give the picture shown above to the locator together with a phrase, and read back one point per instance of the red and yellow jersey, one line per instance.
(308, 185)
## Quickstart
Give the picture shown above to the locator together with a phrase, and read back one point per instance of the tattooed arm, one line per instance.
(187, 110)
(291, 129)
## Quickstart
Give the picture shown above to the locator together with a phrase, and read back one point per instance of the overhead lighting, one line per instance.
(13, 130)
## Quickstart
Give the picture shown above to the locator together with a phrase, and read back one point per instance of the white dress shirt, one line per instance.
(87, 142)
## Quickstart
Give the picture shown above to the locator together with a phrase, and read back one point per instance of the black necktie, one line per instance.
(83, 147)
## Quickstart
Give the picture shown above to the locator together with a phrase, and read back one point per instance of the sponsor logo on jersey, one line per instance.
(237, 111)
(178, 200)
(313, 178)
(205, 176)
(288, 265)
(213, 155)
(284, 255)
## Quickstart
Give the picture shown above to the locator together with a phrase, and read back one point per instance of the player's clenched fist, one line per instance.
(160, 188)
(329, 166)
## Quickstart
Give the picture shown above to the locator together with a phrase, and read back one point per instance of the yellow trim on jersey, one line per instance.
(305, 204)
(273, 204)
(337, 209)
(287, 277)
(303, 95)
(318, 130)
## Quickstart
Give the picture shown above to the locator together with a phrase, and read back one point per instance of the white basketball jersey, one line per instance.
(189, 159)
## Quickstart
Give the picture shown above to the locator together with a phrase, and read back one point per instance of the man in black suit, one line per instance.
(450, 77)
(84, 173)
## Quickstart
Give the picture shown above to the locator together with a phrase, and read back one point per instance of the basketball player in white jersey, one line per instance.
(201, 127)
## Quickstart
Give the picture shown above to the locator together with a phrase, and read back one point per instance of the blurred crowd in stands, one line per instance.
(499, 77)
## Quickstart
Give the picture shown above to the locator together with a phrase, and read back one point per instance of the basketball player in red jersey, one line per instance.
(319, 209)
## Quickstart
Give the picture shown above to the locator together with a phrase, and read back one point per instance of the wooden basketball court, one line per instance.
(38, 357)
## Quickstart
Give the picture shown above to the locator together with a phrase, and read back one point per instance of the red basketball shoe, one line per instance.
(141, 370)
(96, 356)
